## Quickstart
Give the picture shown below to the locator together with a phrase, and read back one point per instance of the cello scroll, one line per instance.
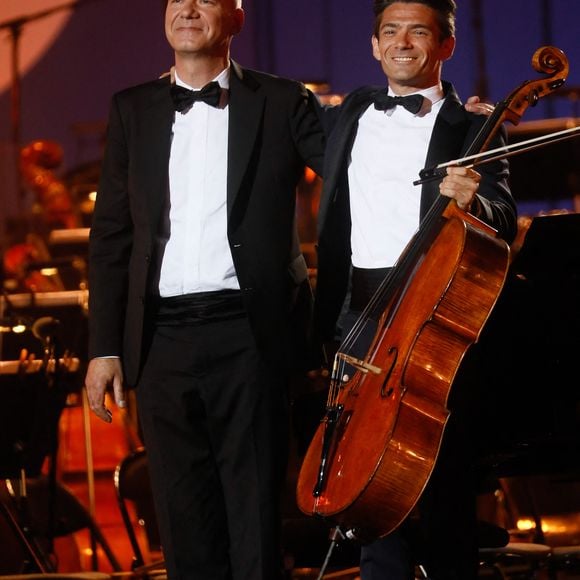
(549, 60)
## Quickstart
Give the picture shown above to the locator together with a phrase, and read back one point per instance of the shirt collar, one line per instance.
(223, 79)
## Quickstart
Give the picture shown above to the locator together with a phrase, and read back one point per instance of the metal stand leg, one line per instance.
(38, 560)
(90, 472)
(336, 535)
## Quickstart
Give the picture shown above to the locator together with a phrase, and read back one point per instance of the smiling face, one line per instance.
(410, 48)
(202, 27)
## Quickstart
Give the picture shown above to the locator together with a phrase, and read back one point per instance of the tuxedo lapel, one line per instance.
(155, 132)
(446, 141)
(246, 108)
(339, 146)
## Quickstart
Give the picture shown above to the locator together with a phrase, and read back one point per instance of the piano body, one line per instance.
(530, 411)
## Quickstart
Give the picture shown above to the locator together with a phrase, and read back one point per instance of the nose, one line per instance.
(403, 39)
(189, 8)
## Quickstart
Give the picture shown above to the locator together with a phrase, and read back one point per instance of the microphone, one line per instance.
(45, 328)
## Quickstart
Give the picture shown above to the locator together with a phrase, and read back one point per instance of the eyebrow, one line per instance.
(417, 26)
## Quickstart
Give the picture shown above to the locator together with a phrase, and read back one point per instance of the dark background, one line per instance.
(110, 44)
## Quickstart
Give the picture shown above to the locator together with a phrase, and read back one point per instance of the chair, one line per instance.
(565, 559)
(132, 484)
(516, 560)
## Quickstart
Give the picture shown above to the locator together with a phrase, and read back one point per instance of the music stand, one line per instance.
(33, 397)
(28, 420)
(69, 249)
(70, 307)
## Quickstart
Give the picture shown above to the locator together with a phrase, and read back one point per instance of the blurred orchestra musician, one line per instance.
(53, 208)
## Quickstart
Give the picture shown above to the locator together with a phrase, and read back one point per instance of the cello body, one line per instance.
(387, 437)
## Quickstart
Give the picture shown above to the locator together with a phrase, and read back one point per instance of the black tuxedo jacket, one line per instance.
(273, 132)
(454, 130)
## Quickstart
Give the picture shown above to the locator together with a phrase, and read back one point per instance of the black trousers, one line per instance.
(442, 535)
(214, 417)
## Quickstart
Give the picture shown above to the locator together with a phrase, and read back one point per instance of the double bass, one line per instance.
(376, 446)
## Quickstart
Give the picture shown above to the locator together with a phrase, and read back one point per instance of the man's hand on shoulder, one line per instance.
(103, 373)
(476, 105)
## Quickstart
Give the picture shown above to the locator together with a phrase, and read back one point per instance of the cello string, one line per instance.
(488, 129)
(395, 280)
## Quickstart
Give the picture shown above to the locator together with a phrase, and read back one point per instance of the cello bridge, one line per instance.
(361, 365)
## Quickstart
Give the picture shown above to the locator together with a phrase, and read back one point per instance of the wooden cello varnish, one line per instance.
(392, 423)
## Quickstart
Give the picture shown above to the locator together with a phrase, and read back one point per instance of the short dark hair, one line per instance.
(445, 13)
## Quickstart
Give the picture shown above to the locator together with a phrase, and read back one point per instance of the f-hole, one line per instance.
(393, 354)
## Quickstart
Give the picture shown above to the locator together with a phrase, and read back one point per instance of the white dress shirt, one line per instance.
(197, 255)
(388, 152)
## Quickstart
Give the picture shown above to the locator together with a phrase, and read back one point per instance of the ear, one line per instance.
(447, 48)
(239, 18)
(375, 45)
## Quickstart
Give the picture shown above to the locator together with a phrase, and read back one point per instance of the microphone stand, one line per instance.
(51, 401)
(36, 557)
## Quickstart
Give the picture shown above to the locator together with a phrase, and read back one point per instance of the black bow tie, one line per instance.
(183, 98)
(412, 103)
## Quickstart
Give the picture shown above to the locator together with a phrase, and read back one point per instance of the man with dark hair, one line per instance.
(194, 271)
(370, 209)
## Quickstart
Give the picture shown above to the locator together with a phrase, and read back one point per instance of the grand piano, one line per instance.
(532, 345)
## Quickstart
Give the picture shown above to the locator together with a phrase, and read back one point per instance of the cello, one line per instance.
(376, 446)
